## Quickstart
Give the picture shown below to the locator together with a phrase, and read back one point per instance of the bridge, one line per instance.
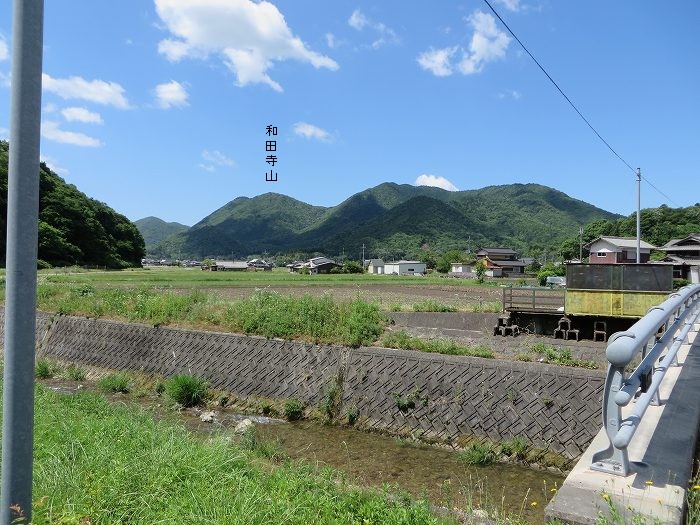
(639, 465)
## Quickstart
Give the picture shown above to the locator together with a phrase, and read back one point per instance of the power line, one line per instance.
(572, 104)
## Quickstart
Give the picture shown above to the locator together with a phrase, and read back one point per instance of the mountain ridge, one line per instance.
(390, 219)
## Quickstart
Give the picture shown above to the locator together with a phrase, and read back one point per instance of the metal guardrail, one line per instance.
(664, 328)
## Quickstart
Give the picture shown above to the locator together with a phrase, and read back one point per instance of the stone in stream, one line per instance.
(208, 417)
(243, 426)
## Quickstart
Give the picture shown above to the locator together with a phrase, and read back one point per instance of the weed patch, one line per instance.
(186, 390)
(402, 340)
(479, 454)
(115, 383)
(293, 409)
(561, 356)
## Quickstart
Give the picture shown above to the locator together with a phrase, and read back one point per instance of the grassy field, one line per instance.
(102, 463)
(194, 277)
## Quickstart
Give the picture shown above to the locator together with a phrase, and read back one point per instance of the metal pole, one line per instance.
(580, 244)
(22, 231)
(639, 228)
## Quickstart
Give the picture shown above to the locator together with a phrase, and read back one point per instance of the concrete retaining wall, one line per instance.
(549, 406)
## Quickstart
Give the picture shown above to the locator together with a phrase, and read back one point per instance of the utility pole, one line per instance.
(639, 228)
(580, 244)
(22, 233)
(363, 255)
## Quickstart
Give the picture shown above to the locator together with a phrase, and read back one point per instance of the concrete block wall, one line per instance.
(548, 406)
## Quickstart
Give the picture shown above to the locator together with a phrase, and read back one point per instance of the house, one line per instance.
(405, 268)
(260, 264)
(501, 262)
(229, 266)
(375, 266)
(617, 250)
(315, 265)
(463, 270)
(684, 254)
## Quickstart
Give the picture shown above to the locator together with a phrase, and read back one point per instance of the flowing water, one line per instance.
(377, 460)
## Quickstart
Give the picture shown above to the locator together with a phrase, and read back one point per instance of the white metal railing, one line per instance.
(664, 328)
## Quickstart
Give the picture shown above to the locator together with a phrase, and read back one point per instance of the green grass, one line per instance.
(270, 314)
(188, 278)
(45, 369)
(293, 409)
(560, 356)
(114, 383)
(187, 390)
(97, 462)
(479, 454)
(400, 339)
(75, 373)
(430, 305)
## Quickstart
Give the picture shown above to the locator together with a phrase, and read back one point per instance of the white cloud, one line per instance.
(248, 36)
(208, 167)
(215, 158)
(386, 35)
(437, 61)
(50, 130)
(97, 91)
(438, 182)
(309, 131)
(4, 51)
(510, 5)
(76, 114)
(358, 20)
(488, 43)
(510, 93)
(171, 94)
(4, 133)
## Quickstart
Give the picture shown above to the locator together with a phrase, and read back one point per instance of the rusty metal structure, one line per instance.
(599, 299)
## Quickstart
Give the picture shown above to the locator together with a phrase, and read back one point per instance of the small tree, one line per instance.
(480, 270)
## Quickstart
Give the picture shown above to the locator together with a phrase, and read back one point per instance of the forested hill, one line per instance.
(391, 220)
(155, 230)
(658, 226)
(73, 228)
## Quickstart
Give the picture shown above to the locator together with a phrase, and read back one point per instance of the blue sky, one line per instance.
(160, 107)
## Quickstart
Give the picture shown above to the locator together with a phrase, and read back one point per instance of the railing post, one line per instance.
(612, 459)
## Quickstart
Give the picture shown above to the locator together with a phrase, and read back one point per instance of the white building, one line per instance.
(405, 268)
(375, 266)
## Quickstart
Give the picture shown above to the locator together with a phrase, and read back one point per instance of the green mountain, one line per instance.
(155, 230)
(73, 228)
(392, 220)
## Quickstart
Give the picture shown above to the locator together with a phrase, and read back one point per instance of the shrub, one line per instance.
(114, 383)
(515, 446)
(75, 373)
(186, 389)
(479, 454)
(353, 414)
(293, 409)
(45, 369)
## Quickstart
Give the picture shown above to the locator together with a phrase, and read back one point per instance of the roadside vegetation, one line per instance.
(314, 319)
(557, 356)
(400, 339)
(97, 462)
